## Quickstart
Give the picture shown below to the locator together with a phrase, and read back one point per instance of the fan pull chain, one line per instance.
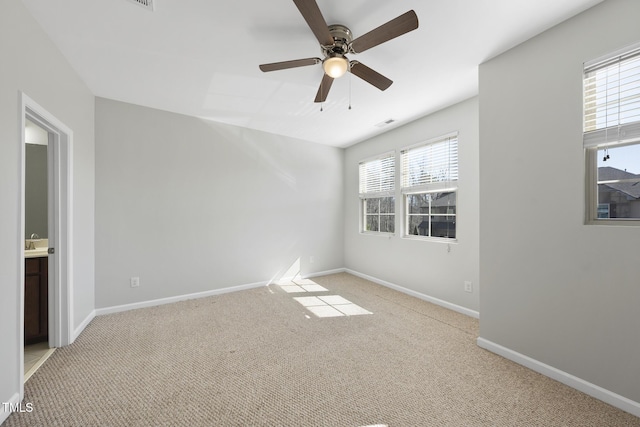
(321, 102)
(349, 86)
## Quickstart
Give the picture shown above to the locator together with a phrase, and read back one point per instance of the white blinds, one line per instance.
(612, 99)
(377, 176)
(433, 162)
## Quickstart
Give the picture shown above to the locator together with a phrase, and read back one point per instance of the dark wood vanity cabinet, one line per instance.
(36, 327)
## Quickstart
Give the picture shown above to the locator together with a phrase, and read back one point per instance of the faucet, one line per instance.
(30, 245)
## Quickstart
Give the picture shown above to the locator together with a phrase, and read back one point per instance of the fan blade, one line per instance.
(392, 29)
(370, 76)
(323, 90)
(311, 13)
(289, 64)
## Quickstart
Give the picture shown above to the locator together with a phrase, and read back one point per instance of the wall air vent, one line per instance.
(147, 4)
(385, 123)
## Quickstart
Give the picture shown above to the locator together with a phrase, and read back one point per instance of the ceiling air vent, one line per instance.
(147, 4)
(385, 123)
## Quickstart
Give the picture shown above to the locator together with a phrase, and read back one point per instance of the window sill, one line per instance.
(622, 222)
(430, 239)
(377, 233)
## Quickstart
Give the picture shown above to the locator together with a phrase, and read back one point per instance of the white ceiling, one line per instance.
(201, 57)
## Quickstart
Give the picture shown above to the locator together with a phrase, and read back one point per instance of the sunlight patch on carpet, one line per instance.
(331, 306)
(300, 286)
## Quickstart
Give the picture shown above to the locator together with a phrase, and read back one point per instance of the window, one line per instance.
(611, 137)
(429, 187)
(377, 194)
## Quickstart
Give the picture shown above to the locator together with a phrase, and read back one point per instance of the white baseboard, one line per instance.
(586, 387)
(324, 273)
(307, 276)
(4, 413)
(169, 300)
(437, 301)
(80, 328)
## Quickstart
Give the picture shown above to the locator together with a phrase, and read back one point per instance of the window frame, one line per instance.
(608, 137)
(364, 196)
(591, 190)
(443, 186)
(379, 214)
(407, 215)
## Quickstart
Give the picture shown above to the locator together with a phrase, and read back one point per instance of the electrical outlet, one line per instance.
(135, 282)
(468, 286)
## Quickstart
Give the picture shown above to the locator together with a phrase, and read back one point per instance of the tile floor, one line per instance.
(34, 356)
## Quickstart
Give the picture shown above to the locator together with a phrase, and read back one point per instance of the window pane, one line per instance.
(612, 95)
(418, 225)
(619, 182)
(431, 214)
(433, 162)
(443, 203)
(387, 204)
(615, 201)
(418, 203)
(379, 214)
(377, 175)
(618, 160)
(372, 223)
(387, 223)
(372, 206)
(443, 226)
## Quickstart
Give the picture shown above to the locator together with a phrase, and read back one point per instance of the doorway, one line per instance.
(55, 314)
(36, 291)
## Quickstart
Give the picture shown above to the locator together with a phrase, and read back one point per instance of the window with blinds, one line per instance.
(429, 175)
(377, 176)
(377, 194)
(612, 99)
(430, 163)
(611, 137)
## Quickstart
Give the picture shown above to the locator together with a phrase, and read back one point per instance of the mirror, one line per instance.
(35, 200)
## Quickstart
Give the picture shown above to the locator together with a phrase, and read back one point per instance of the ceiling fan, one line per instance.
(337, 40)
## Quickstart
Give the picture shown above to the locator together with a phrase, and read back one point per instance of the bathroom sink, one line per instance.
(35, 253)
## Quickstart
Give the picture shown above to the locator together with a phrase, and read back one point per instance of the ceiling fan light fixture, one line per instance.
(337, 40)
(335, 66)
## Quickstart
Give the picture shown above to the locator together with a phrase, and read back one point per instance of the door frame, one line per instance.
(60, 208)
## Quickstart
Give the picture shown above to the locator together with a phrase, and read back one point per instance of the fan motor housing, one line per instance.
(342, 37)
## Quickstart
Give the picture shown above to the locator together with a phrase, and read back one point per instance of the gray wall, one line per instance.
(31, 63)
(427, 267)
(35, 191)
(189, 205)
(554, 289)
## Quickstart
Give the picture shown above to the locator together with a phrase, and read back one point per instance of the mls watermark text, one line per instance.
(17, 407)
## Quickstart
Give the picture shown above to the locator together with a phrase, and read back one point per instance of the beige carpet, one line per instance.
(259, 358)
